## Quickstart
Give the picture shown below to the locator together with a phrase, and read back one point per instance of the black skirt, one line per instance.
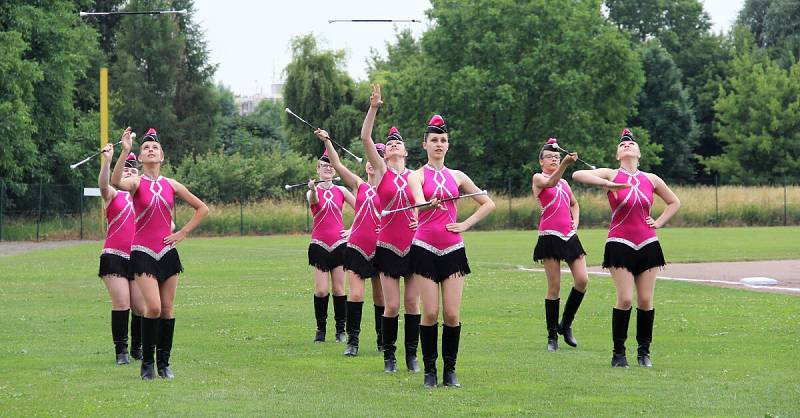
(438, 267)
(324, 260)
(358, 264)
(551, 246)
(115, 264)
(391, 264)
(620, 255)
(168, 266)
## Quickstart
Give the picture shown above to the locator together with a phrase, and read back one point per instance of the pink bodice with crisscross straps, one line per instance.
(556, 218)
(328, 225)
(120, 216)
(363, 236)
(432, 233)
(629, 208)
(153, 203)
(393, 193)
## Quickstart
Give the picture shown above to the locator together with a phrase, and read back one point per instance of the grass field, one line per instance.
(245, 324)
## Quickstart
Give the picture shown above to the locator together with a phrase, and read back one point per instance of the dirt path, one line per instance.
(21, 247)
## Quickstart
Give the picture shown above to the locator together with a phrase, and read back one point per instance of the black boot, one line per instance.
(340, 316)
(570, 308)
(353, 327)
(551, 316)
(450, 339)
(149, 335)
(411, 340)
(429, 336)
(619, 332)
(166, 329)
(136, 336)
(321, 314)
(378, 322)
(644, 335)
(119, 332)
(389, 332)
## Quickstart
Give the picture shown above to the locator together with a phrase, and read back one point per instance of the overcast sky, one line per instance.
(250, 39)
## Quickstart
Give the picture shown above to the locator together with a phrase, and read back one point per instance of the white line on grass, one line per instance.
(679, 279)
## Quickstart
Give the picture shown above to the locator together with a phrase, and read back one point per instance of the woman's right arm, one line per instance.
(129, 184)
(348, 177)
(598, 177)
(374, 158)
(106, 190)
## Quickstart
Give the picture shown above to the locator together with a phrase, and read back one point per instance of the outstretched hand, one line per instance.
(375, 97)
(322, 134)
(108, 152)
(570, 158)
(127, 141)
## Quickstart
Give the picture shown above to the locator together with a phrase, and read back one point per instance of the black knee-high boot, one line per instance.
(353, 327)
(411, 340)
(166, 329)
(644, 335)
(551, 316)
(119, 332)
(570, 308)
(619, 332)
(321, 314)
(450, 340)
(340, 316)
(136, 336)
(429, 336)
(149, 336)
(389, 332)
(378, 322)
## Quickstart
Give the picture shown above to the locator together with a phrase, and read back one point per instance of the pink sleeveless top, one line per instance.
(393, 193)
(629, 208)
(556, 218)
(432, 234)
(119, 214)
(328, 218)
(363, 237)
(153, 203)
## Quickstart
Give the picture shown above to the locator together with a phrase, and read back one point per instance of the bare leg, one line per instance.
(119, 291)
(429, 291)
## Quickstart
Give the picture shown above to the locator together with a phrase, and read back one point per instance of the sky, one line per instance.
(249, 40)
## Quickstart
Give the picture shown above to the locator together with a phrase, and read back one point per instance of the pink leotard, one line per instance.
(393, 193)
(328, 218)
(363, 237)
(153, 203)
(432, 233)
(630, 207)
(119, 214)
(556, 218)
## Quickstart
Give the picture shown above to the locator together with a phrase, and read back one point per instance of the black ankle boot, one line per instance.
(644, 335)
(136, 336)
(378, 321)
(119, 332)
(429, 336)
(149, 336)
(551, 316)
(340, 316)
(166, 329)
(389, 330)
(321, 314)
(353, 327)
(450, 340)
(619, 332)
(411, 340)
(570, 308)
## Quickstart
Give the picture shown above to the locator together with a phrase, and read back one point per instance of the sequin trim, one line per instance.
(393, 249)
(116, 252)
(326, 247)
(558, 234)
(366, 257)
(151, 253)
(631, 244)
(435, 250)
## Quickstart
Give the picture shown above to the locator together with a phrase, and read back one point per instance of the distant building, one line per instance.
(248, 103)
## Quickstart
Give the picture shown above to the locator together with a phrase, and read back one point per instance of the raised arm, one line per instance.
(598, 177)
(466, 185)
(348, 177)
(374, 158)
(200, 211)
(129, 184)
(664, 192)
(106, 190)
(542, 182)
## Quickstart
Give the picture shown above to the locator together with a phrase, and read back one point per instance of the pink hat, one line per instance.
(626, 135)
(324, 157)
(151, 135)
(394, 135)
(131, 161)
(436, 125)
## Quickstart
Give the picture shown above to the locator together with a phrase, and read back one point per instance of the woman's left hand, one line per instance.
(457, 227)
(174, 239)
(652, 223)
(345, 233)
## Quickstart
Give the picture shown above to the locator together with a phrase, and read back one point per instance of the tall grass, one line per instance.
(701, 206)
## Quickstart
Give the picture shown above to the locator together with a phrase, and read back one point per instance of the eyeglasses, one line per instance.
(325, 166)
(551, 157)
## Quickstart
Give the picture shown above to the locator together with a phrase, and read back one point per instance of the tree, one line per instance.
(758, 118)
(775, 25)
(665, 111)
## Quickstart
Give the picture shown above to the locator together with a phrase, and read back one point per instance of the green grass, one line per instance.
(245, 324)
